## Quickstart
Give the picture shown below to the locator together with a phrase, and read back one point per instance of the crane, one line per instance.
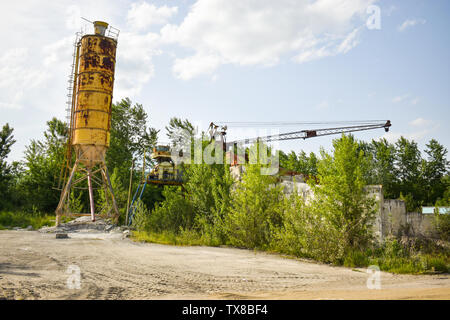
(299, 134)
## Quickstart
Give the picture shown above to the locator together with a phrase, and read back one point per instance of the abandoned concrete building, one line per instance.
(391, 217)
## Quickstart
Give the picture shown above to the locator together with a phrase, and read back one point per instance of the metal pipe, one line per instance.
(91, 195)
(143, 168)
(129, 192)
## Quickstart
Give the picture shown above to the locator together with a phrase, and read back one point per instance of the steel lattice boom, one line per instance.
(305, 134)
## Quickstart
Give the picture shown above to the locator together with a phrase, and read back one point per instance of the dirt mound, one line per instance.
(85, 225)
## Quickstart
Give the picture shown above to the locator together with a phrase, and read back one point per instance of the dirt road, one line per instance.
(33, 265)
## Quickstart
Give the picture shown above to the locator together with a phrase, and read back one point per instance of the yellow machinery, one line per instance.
(90, 118)
(165, 171)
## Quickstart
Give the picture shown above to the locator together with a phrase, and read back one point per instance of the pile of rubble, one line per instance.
(83, 226)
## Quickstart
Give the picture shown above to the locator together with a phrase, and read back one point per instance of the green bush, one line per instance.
(141, 217)
(356, 258)
(10, 219)
(305, 233)
(442, 223)
(256, 211)
(173, 214)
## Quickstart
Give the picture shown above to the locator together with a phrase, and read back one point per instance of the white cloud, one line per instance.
(390, 136)
(323, 105)
(261, 32)
(404, 98)
(420, 122)
(415, 101)
(134, 62)
(73, 14)
(142, 15)
(36, 51)
(196, 65)
(349, 42)
(390, 10)
(17, 75)
(400, 98)
(420, 128)
(410, 23)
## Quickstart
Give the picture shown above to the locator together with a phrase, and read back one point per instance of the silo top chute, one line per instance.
(100, 27)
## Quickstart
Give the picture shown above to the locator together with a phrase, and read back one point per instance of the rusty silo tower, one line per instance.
(90, 119)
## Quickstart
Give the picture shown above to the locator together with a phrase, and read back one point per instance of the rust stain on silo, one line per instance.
(95, 85)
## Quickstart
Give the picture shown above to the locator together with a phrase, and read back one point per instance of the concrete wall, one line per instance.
(303, 189)
(421, 225)
(391, 217)
(394, 217)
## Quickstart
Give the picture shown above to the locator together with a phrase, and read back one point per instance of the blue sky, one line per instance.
(247, 60)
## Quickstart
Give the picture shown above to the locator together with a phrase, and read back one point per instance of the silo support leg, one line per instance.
(106, 176)
(91, 195)
(64, 195)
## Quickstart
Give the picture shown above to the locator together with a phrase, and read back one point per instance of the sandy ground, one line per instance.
(33, 265)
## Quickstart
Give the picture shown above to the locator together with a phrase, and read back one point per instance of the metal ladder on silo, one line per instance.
(69, 103)
(71, 80)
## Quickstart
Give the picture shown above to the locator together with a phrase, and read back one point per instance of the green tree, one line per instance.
(308, 232)
(384, 171)
(256, 212)
(408, 162)
(6, 170)
(43, 162)
(292, 162)
(341, 198)
(130, 137)
(174, 214)
(208, 188)
(444, 200)
(178, 130)
(283, 159)
(435, 168)
(307, 164)
(120, 194)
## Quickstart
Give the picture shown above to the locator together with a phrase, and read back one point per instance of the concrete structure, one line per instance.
(391, 217)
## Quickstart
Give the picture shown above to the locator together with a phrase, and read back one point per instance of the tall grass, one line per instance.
(183, 238)
(9, 219)
(425, 256)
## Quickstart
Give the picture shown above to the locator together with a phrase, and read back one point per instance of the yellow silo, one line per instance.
(90, 123)
(92, 116)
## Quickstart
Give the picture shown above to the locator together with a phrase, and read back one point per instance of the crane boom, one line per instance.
(306, 134)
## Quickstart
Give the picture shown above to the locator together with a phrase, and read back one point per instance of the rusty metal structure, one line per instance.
(89, 122)
(165, 173)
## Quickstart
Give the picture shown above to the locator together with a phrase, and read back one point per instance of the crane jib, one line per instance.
(305, 134)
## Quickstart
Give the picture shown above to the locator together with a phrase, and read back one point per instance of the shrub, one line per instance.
(256, 211)
(141, 218)
(10, 219)
(442, 223)
(173, 213)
